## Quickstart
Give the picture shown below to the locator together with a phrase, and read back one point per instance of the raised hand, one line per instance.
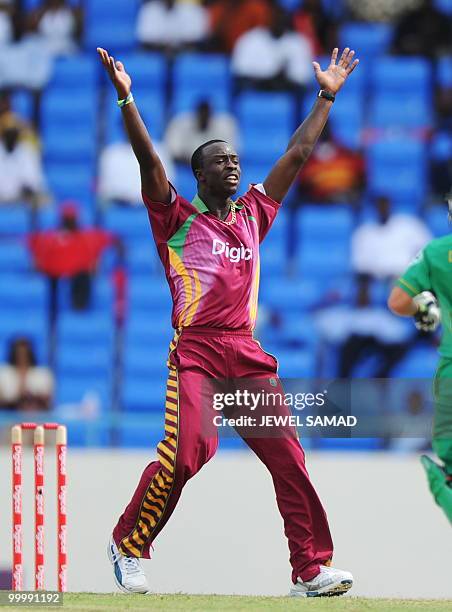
(118, 76)
(336, 74)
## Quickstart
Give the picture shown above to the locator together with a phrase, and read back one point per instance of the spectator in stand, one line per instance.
(423, 31)
(6, 22)
(23, 384)
(380, 10)
(10, 118)
(58, 25)
(384, 248)
(312, 22)
(119, 174)
(333, 173)
(172, 25)
(21, 175)
(274, 57)
(231, 18)
(362, 331)
(71, 252)
(187, 131)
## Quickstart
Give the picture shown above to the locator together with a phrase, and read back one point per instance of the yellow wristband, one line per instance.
(126, 101)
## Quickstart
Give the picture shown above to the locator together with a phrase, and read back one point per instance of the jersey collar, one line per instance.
(202, 208)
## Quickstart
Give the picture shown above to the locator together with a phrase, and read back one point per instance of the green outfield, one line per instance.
(90, 602)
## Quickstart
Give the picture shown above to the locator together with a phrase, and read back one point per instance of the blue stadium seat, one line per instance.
(14, 256)
(288, 295)
(323, 223)
(200, 76)
(436, 218)
(396, 74)
(396, 150)
(113, 28)
(127, 222)
(85, 329)
(146, 333)
(152, 107)
(23, 292)
(143, 394)
(73, 181)
(323, 259)
(75, 72)
(150, 294)
(14, 220)
(69, 109)
(61, 143)
(266, 111)
(389, 110)
(264, 145)
(403, 181)
(296, 363)
(444, 71)
(421, 362)
(142, 257)
(253, 173)
(347, 121)
(185, 181)
(369, 40)
(72, 389)
(135, 435)
(73, 360)
(148, 71)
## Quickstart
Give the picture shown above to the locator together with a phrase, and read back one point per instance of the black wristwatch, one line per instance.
(324, 93)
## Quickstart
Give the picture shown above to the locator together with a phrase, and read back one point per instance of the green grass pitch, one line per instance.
(90, 602)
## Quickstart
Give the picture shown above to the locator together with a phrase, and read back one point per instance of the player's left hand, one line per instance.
(428, 315)
(336, 74)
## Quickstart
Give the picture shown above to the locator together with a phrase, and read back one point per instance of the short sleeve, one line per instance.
(164, 218)
(417, 277)
(261, 207)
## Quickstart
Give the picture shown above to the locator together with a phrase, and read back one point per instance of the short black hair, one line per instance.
(14, 345)
(196, 158)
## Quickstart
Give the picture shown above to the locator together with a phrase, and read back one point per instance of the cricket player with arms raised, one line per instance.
(425, 293)
(209, 248)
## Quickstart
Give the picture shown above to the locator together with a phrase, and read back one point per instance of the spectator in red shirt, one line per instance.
(71, 252)
(333, 173)
(231, 18)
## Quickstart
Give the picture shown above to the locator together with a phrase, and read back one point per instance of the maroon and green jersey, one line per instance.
(432, 271)
(212, 268)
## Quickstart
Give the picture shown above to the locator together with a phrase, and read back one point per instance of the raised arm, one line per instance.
(301, 144)
(154, 182)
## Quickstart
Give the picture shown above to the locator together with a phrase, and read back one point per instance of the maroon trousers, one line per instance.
(191, 439)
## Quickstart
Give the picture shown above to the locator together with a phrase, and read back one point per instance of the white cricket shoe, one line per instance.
(128, 573)
(328, 583)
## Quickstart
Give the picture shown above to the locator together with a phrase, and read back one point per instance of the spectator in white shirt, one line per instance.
(171, 25)
(187, 131)
(21, 175)
(119, 173)
(6, 22)
(385, 247)
(362, 330)
(276, 57)
(58, 26)
(23, 384)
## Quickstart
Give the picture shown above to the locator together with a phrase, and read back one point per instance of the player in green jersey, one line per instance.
(431, 271)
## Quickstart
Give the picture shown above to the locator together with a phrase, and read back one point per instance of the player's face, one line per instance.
(221, 169)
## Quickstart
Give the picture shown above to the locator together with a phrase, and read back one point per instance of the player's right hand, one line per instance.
(428, 315)
(118, 76)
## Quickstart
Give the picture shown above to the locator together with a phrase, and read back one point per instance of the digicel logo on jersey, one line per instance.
(234, 254)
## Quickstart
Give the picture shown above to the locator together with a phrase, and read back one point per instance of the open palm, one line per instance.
(118, 76)
(336, 74)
